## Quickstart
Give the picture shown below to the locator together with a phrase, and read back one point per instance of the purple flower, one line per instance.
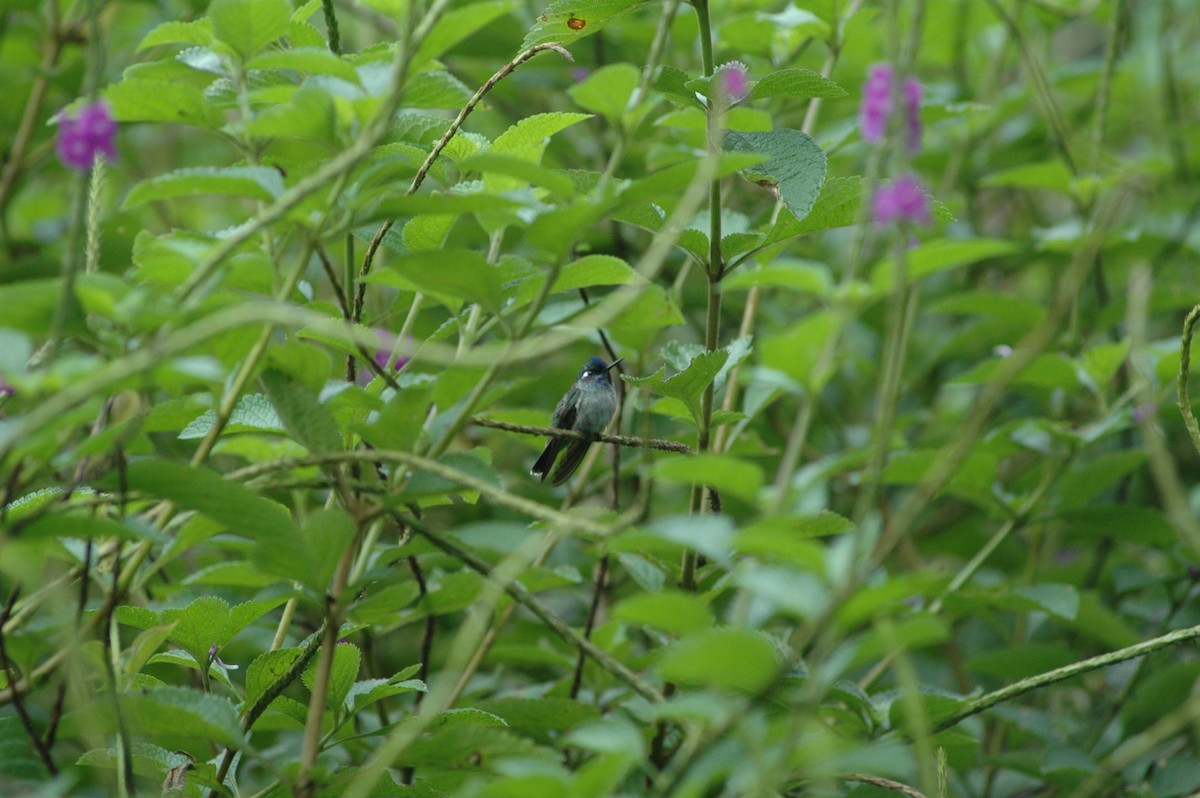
(904, 200)
(83, 136)
(212, 657)
(876, 102)
(733, 82)
(912, 113)
(580, 73)
(5, 389)
(383, 354)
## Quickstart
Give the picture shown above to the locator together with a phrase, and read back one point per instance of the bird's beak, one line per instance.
(615, 362)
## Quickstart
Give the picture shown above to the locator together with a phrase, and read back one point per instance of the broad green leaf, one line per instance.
(932, 703)
(607, 90)
(17, 757)
(687, 385)
(370, 691)
(450, 274)
(1050, 175)
(248, 26)
(730, 475)
(836, 206)
(673, 82)
(795, 164)
(1056, 599)
(940, 255)
(671, 611)
(312, 60)
(164, 712)
(136, 100)
(520, 171)
(795, 275)
(347, 659)
(730, 659)
(311, 555)
(266, 670)
(797, 83)
(796, 352)
(307, 420)
(566, 21)
(436, 89)
(198, 32)
(456, 25)
(251, 182)
(527, 138)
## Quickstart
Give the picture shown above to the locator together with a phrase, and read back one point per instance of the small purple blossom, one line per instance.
(876, 102)
(877, 105)
(1002, 350)
(1144, 412)
(912, 113)
(383, 354)
(580, 73)
(83, 136)
(5, 389)
(733, 81)
(212, 657)
(904, 200)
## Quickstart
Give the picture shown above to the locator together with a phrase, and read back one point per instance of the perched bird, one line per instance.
(587, 407)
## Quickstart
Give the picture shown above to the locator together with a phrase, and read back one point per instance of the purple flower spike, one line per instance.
(876, 102)
(84, 136)
(733, 81)
(912, 109)
(903, 201)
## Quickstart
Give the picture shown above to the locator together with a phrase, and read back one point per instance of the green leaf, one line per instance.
(370, 691)
(311, 556)
(451, 275)
(940, 255)
(307, 420)
(552, 24)
(267, 669)
(527, 138)
(253, 413)
(198, 32)
(311, 60)
(730, 659)
(456, 25)
(727, 474)
(436, 89)
(796, 83)
(804, 277)
(248, 26)
(796, 352)
(1056, 599)
(137, 100)
(164, 712)
(687, 385)
(234, 506)
(251, 182)
(607, 90)
(17, 758)
(671, 611)
(795, 164)
(1049, 175)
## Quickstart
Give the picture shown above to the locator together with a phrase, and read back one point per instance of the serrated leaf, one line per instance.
(253, 413)
(552, 24)
(248, 26)
(436, 89)
(199, 32)
(312, 60)
(173, 712)
(307, 420)
(138, 100)
(251, 182)
(311, 556)
(797, 83)
(687, 385)
(266, 669)
(673, 82)
(795, 164)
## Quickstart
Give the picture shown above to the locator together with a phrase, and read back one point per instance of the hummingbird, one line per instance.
(587, 407)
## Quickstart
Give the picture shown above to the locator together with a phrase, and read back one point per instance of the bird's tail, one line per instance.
(544, 463)
(570, 461)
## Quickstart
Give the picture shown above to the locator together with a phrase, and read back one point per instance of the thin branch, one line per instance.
(575, 435)
(6, 668)
(423, 171)
(879, 781)
(496, 494)
(1066, 672)
(590, 623)
(556, 624)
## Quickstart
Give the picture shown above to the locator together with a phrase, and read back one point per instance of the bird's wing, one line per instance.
(564, 414)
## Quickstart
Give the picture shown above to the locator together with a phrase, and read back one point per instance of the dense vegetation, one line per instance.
(898, 500)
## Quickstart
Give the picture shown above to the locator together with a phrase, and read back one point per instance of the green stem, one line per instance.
(1066, 672)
